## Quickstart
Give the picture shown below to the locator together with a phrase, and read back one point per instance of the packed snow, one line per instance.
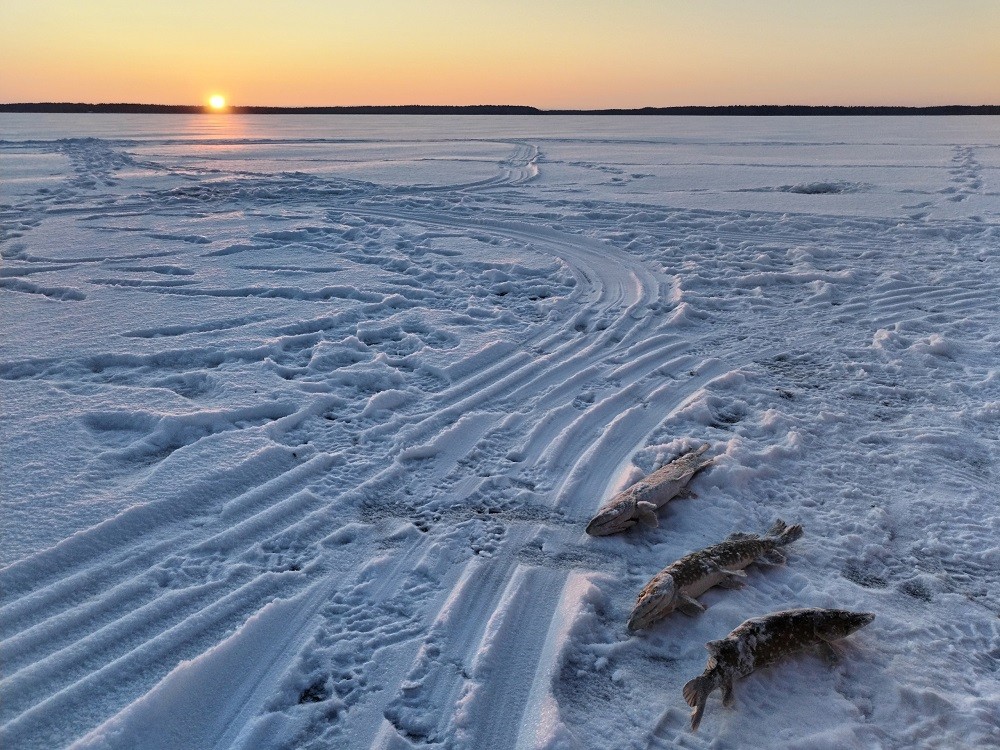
(304, 418)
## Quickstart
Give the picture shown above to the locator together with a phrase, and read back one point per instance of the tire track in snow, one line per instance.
(518, 168)
(43, 723)
(120, 609)
(168, 590)
(623, 292)
(439, 684)
(443, 684)
(509, 378)
(613, 292)
(438, 680)
(467, 677)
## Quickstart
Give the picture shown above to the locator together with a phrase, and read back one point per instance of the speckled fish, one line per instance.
(641, 501)
(763, 641)
(678, 585)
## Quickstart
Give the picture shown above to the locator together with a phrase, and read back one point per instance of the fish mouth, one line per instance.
(653, 607)
(638, 620)
(598, 527)
(860, 619)
(607, 529)
(648, 615)
(605, 524)
(849, 622)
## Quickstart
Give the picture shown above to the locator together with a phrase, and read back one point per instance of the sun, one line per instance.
(216, 101)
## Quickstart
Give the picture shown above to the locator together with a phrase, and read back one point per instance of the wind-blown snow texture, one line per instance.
(304, 419)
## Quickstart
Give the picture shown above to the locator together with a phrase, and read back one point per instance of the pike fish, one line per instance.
(763, 641)
(678, 585)
(641, 501)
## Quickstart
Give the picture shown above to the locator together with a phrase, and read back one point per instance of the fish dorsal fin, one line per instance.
(739, 536)
(646, 513)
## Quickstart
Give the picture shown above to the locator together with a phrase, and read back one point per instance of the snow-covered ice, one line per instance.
(303, 420)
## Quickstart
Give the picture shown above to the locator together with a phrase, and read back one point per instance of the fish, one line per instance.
(765, 640)
(641, 501)
(678, 585)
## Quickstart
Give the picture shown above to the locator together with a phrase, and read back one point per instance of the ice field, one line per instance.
(304, 418)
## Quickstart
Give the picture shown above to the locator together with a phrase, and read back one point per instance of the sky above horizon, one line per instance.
(545, 53)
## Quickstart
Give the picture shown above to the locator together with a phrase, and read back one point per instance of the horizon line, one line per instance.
(498, 109)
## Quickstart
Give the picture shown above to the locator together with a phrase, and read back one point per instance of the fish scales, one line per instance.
(649, 494)
(762, 641)
(677, 585)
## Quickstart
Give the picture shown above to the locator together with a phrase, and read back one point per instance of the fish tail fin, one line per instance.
(785, 534)
(696, 694)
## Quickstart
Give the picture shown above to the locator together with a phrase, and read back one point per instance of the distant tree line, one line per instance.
(756, 110)
(793, 110)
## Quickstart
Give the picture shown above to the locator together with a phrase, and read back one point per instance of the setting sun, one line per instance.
(217, 102)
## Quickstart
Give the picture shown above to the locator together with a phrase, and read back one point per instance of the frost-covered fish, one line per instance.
(641, 501)
(764, 640)
(678, 585)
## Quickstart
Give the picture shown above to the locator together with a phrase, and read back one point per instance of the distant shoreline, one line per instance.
(761, 110)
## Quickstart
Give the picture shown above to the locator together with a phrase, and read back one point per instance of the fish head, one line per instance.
(839, 623)
(614, 519)
(655, 602)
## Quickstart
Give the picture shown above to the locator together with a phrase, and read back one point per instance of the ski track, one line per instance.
(389, 545)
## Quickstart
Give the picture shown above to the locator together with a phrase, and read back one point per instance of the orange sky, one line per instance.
(547, 53)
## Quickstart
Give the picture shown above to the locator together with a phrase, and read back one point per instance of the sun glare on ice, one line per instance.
(216, 101)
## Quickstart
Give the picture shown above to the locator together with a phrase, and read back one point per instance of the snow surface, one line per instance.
(303, 419)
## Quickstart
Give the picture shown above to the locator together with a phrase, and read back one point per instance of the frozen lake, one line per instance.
(304, 417)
